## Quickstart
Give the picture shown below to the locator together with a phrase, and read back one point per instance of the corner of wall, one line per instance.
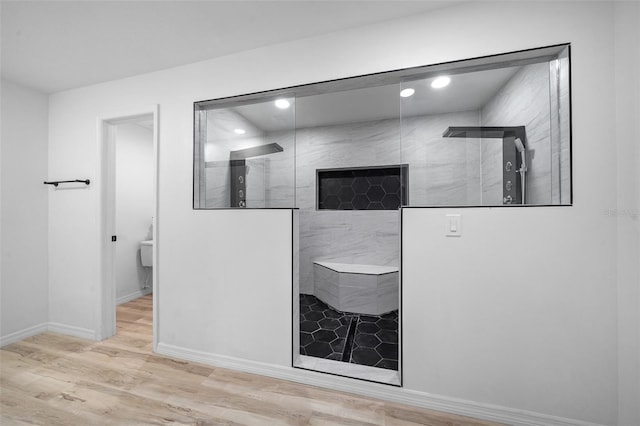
(627, 211)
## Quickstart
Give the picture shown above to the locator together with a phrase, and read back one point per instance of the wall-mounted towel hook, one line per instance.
(57, 182)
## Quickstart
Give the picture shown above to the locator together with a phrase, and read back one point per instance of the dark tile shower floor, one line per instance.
(343, 336)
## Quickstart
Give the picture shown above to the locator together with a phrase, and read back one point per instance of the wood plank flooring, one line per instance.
(52, 379)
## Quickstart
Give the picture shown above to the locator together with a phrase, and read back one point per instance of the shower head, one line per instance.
(256, 151)
(519, 145)
(491, 132)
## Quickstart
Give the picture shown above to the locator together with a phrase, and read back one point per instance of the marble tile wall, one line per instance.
(269, 179)
(565, 130)
(524, 100)
(279, 172)
(217, 177)
(442, 171)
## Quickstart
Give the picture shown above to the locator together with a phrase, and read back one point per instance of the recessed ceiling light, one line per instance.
(282, 103)
(405, 93)
(440, 82)
(239, 131)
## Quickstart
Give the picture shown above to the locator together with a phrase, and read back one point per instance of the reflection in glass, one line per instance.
(245, 156)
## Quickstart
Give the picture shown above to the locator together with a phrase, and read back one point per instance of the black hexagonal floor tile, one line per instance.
(365, 356)
(330, 313)
(388, 351)
(319, 349)
(390, 315)
(372, 341)
(305, 338)
(387, 324)
(338, 346)
(388, 364)
(368, 318)
(329, 323)
(368, 327)
(342, 331)
(324, 336)
(388, 336)
(318, 306)
(314, 316)
(366, 340)
(335, 356)
(309, 326)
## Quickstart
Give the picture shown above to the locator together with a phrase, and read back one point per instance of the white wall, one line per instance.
(134, 207)
(564, 310)
(627, 212)
(24, 210)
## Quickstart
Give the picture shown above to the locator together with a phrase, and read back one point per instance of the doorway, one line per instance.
(128, 152)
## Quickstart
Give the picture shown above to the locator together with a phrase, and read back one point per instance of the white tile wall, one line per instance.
(523, 101)
(441, 171)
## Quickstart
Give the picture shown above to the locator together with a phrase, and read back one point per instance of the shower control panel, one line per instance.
(238, 169)
(511, 193)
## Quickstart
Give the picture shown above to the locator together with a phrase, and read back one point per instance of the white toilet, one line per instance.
(146, 253)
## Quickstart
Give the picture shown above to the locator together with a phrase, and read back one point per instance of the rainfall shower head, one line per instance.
(256, 151)
(497, 132)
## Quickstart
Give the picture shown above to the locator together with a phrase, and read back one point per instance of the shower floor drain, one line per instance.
(343, 336)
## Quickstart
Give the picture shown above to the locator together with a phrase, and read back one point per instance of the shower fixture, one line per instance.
(238, 170)
(514, 166)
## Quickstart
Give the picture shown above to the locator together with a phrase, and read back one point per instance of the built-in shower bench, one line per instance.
(362, 289)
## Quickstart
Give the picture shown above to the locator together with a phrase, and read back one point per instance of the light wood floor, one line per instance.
(52, 379)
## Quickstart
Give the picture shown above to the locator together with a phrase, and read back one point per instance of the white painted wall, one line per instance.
(554, 330)
(134, 208)
(627, 69)
(24, 210)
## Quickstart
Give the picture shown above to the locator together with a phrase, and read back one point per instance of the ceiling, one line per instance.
(58, 45)
(466, 92)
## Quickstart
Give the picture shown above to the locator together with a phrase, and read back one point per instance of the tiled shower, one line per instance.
(348, 160)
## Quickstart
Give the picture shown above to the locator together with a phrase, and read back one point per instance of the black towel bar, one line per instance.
(55, 183)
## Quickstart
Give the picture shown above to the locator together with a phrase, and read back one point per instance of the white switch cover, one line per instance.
(453, 225)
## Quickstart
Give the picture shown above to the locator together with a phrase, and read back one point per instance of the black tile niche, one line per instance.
(362, 188)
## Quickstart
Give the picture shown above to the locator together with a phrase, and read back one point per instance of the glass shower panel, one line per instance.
(349, 178)
(445, 171)
(245, 155)
(489, 137)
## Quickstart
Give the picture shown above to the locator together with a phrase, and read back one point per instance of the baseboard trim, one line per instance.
(70, 330)
(132, 296)
(22, 334)
(394, 394)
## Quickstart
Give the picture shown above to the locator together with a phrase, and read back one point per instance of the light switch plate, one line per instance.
(453, 225)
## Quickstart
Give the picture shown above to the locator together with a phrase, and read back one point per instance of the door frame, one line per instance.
(106, 297)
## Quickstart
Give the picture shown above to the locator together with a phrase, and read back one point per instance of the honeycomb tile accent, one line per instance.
(323, 330)
(375, 188)
(325, 333)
